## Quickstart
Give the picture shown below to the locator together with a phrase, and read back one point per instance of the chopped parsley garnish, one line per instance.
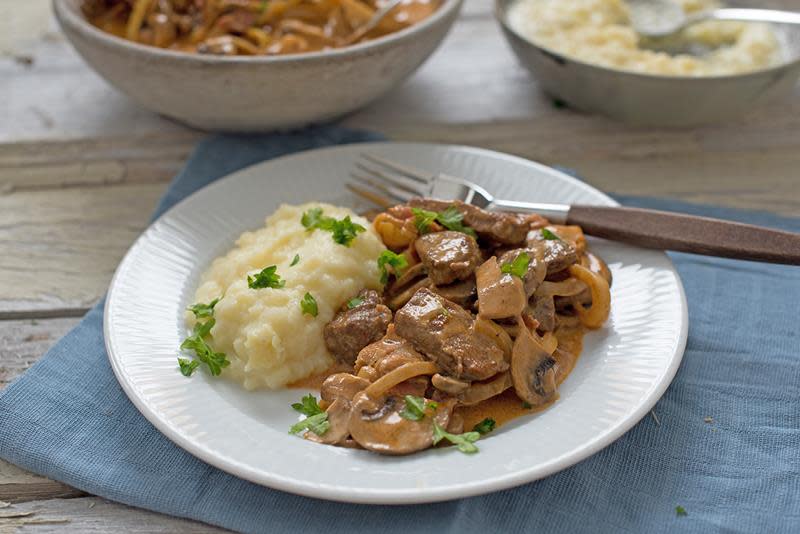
(527, 405)
(550, 235)
(312, 218)
(414, 409)
(309, 305)
(452, 219)
(344, 231)
(318, 424)
(295, 260)
(188, 366)
(353, 302)
(202, 311)
(423, 219)
(485, 426)
(518, 267)
(267, 278)
(215, 361)
(316, 419)
(680, 511)
(397, 261)
(465, 442)
(308, 406)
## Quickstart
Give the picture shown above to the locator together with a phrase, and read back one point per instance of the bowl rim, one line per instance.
(67, 13)
(500, 13)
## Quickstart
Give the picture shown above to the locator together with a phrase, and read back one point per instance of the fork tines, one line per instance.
(384, 182)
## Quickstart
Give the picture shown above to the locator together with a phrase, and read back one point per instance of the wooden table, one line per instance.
(81, 169)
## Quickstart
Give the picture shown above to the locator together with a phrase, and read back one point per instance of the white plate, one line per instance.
(624, 369)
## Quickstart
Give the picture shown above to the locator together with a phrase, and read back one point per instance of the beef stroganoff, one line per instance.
(251, 27)
(463, 320)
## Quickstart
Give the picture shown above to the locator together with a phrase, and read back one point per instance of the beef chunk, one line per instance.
(448, 256)
(462, 293)
(502, 227)
(444, 332)
(556, 254)
(353, 329)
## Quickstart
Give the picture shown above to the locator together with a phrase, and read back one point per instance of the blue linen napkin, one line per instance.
(68, 419)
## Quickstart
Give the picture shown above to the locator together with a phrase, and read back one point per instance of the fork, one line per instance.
(385, 183)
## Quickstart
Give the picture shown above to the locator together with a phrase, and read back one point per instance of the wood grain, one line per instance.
(81, 168)
(91, 515)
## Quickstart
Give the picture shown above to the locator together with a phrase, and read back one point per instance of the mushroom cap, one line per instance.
(376, 425)
(533, 370)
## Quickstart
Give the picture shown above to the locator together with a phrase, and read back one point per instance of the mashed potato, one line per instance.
(599, 32)
(264, 333)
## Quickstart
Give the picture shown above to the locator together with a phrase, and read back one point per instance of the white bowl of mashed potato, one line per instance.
(586, 54)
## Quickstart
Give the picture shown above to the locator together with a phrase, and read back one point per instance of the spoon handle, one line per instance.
(751, 15)
(687, 233)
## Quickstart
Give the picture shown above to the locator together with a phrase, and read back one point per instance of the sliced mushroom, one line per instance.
(480, 391)
(499, 295)
(339, 419)
(533, 370)
(376, 424)
(449, 384)
(342, 386)
(537, 268)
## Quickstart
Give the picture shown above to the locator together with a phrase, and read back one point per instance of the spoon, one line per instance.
(373, 22)
(662, 18)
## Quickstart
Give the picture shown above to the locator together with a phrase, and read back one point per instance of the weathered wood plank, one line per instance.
(18, 485)
(59, 247)
(22, 343)
(91, 515)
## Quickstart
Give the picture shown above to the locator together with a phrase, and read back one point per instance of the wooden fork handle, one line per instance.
(687, 233)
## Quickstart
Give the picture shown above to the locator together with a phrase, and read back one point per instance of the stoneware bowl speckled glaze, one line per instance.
(255, 93)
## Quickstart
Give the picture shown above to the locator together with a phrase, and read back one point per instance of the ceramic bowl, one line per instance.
(255, 93)
(650, 99)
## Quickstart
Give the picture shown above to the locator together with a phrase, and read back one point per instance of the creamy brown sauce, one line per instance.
(502, 408)
(319, 33)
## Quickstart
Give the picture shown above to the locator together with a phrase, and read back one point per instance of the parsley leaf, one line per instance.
(452, 219)
(485, 426)
(318, 424)
(423, 219)
(188, 366)
(309, 305)
(414, 409)
(344, 231)
(203, 351)
(397, 261)
(295, 260)
(201, 311)
(680, 511)
(215, 361)
(527, 405)
(550, 235)
(316, 419)
(353, 302)
(518, 267)
(268, 277)
(308, 406)
(312, 219)
(465, 442)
